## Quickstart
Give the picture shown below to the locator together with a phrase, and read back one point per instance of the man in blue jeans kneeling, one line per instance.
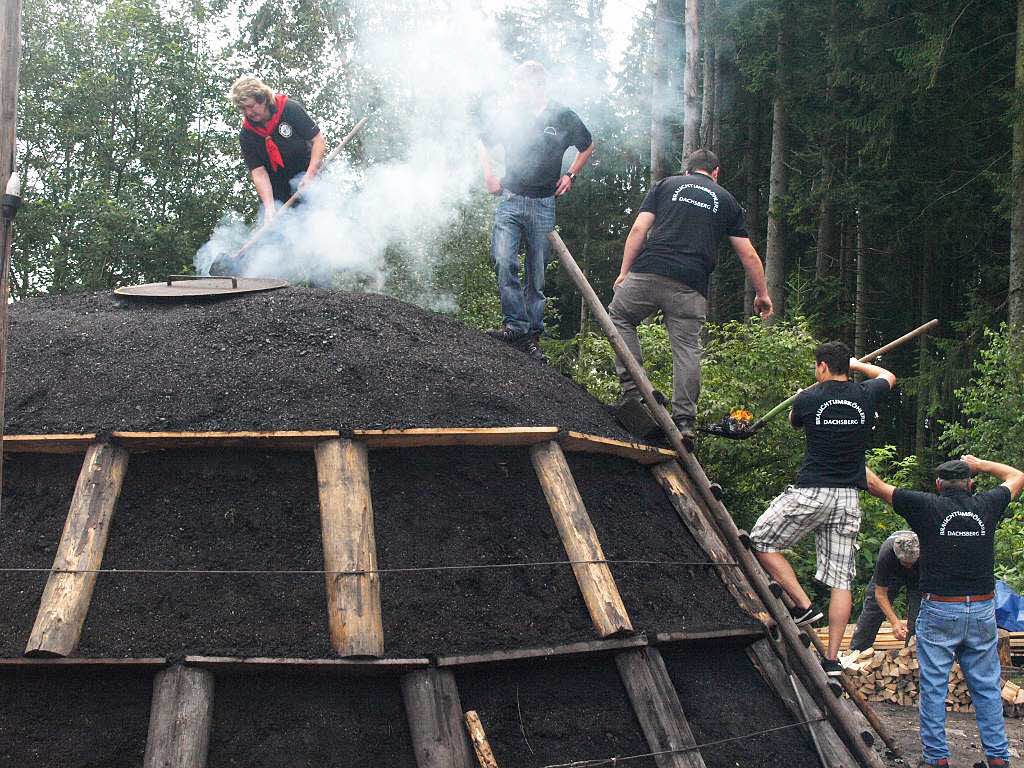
(535, 134)
(957, 618)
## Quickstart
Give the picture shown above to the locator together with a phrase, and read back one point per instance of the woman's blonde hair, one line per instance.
(249, 87)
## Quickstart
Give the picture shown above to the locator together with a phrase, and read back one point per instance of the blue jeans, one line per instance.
(966, 631)
(517, 219)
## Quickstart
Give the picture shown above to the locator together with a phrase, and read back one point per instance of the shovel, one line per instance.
(736, 427)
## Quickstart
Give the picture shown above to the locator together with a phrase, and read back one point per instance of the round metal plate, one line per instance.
(199, 288)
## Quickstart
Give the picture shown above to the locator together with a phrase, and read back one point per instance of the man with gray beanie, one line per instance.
(895, 567)
(957, 620)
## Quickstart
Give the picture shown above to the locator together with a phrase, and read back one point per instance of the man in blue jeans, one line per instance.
(957, 618)
(535, 133)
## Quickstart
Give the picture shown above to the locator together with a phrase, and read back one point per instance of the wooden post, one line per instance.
(674, 482)
(763, 655)
(66, 597)
(719, 515)
(600, 592)
(10, 60)
(179, 718)
(434, 711)
(657, 707)
(478, 736)
(346, 520)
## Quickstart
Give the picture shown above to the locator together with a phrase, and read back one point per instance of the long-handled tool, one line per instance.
(849, 729)
(296, 196)
(737, 426)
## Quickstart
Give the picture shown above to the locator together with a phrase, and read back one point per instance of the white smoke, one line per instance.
(353, 221)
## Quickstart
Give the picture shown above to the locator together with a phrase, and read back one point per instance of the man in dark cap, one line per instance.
(895, 568)
(957, 619)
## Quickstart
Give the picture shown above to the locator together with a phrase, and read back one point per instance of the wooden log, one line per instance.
(287, 440)
(432, 706)
(353, 667)
(643, 454)
(585, 648)
(478, 736)
(346, 520)
(657, 707)
(48, 443)
(768, 663)
(65, 601)
(1003, 646)
(600, 592)
(679, 491)
(179, 718)
(447, 436)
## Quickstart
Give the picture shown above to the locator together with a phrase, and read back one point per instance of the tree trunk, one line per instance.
(921, 441)
(707, 113)
(661, 134)
(752, 163)
(860, 334)
(716, 114)
(774, 254)
(823, 248)
(1016, 287)
(691, 99)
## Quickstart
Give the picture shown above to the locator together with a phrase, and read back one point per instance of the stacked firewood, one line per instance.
(893, 675)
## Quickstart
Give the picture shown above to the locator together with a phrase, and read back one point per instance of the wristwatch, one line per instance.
(571, 175)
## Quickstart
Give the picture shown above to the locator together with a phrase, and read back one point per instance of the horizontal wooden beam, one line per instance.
(644, 454)
(47, 443)
(743, 633)
(280, 440)
(24, 661)
(342, 666)
(480, 436)
(544, 652)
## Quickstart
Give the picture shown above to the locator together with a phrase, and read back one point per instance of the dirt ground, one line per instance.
(961, 733)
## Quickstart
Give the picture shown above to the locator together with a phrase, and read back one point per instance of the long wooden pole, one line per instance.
(180, 715)
(295, 197)
(814, 673)
(10, 59)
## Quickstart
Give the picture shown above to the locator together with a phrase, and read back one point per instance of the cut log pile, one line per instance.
(892, 674)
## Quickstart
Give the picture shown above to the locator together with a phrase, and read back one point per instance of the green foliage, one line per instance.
(992, 406)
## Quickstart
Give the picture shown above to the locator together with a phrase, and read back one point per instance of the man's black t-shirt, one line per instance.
(293, 136)
(691, 216)
(889, 571)
(957, 533)
(534, 147)
(836, 417)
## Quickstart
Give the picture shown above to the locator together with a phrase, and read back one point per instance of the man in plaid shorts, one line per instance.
(837, 416)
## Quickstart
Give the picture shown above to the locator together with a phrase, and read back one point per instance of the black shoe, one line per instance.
(808, 615)
(529, 346)
(686, 427)
(832, 667)
(506, 334)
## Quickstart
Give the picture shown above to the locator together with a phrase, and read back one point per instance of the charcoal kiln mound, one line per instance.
(294, 359)
(310, 528)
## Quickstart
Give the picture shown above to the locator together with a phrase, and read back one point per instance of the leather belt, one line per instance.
(957, 598)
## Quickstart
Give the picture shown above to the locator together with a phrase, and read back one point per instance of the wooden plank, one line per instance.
(543, 652)
(767, 662)
(66, 598)
(280, 440)
(179, 719)
(750, 633)
(639, 452)
(478, 736)
(22, 661)
(600, 592)
(657, 707)
(480, 436)
(355, 667)
(48, 443)
(432, 705)
(680, 493)
(346, 521)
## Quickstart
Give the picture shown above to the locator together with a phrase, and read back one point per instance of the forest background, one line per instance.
(877, 147)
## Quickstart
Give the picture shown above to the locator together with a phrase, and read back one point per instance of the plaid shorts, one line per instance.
(832, 513)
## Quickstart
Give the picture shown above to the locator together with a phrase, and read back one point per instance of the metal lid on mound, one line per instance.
(197, 286)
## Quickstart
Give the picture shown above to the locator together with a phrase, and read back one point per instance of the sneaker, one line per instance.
(832, 667)
(808, 615)
(505, 334)
(530, 347)
(996, 762)
(940, 763)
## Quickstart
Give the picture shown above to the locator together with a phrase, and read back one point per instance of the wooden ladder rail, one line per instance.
(849, 728)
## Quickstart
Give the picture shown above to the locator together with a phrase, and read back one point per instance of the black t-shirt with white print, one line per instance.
(534, 146)
(836, 417)
(294, 136)
(957, 533)
(692, 214)
(889, 571)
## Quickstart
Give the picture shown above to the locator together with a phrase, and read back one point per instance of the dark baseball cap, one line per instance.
(953, 470)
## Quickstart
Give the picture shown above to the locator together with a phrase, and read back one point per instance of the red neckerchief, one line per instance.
(267, 129)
